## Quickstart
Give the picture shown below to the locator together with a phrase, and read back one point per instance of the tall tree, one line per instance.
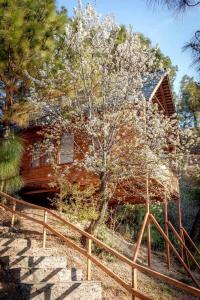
(27, 30)
(194, 46)
(181, 5)
(101, 80)
(189, 102)
(162, 61)
(177, 4)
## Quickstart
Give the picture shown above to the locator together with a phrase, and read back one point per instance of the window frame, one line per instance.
(71, 155)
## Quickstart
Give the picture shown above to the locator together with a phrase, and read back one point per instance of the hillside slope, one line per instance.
(158, 290)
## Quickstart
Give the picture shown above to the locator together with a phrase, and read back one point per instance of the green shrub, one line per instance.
(129, 219)
(77, 203)
(102, 235)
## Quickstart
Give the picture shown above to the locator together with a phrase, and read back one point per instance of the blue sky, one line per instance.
(163, 27)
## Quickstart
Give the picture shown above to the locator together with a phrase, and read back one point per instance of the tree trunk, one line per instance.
(9, 96)
(196, 115)
(195, 231)
(104, 199)
(94, 225)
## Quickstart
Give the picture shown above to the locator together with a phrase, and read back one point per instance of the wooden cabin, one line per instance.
(37, 172)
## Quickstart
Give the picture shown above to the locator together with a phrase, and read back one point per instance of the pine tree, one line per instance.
(27, 30)
(189, 102)
(11, 150)
(181, 6)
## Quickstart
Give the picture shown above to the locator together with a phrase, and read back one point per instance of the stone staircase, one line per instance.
(31, 272)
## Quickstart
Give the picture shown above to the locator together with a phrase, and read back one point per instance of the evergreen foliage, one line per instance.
(128, 221)
(162, 60)
(194, 46)
(27, 30)
(177, 4)
(11, 150)
(189, 102)
(182, 5)
(27, 39)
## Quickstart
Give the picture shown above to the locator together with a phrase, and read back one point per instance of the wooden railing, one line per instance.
(182, 243)
(87, 253)
(186, 235)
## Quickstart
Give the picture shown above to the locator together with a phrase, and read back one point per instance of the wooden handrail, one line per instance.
(174, 250)
(83, 252)
(183, 244)
(143, 269)
(136, 251)
(190, 240)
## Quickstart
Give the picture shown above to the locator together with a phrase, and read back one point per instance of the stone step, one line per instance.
(33, 261)
(4, 229)
(17, 242)
(76, 290)
(27, 275)
(27, 251)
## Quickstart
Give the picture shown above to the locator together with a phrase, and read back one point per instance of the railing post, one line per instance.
(148, 222)
(166, 231)
(13, 214)
(180, 222)
(44, 230)
(134, 281)
(89, 263)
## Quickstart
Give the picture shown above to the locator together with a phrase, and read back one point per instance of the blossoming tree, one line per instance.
(93, 87)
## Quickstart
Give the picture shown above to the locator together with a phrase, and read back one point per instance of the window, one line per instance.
(41, 157)
(36, 155)
(35, 161)
(66, 149)
(47, 159)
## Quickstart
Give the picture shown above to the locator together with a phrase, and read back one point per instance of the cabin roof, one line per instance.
(158, 80)
(153, 83)
(150, 90)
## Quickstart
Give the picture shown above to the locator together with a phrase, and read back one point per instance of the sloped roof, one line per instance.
(151, 90)
(153, 83)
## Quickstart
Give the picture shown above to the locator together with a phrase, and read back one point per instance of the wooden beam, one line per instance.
(180, 223)
(89, 263)
(163, 99)
(134, 282)
(13, 214)
(161, 105)
(148, 222)
(137, 248)
(166, 232)
(183, 244)
(174, 250)
(39, 191)
(44, 230)
(190, 240)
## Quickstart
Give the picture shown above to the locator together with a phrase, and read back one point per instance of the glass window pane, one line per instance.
(48, 158)
(36, 155)
(35, 161)
(67, 148)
